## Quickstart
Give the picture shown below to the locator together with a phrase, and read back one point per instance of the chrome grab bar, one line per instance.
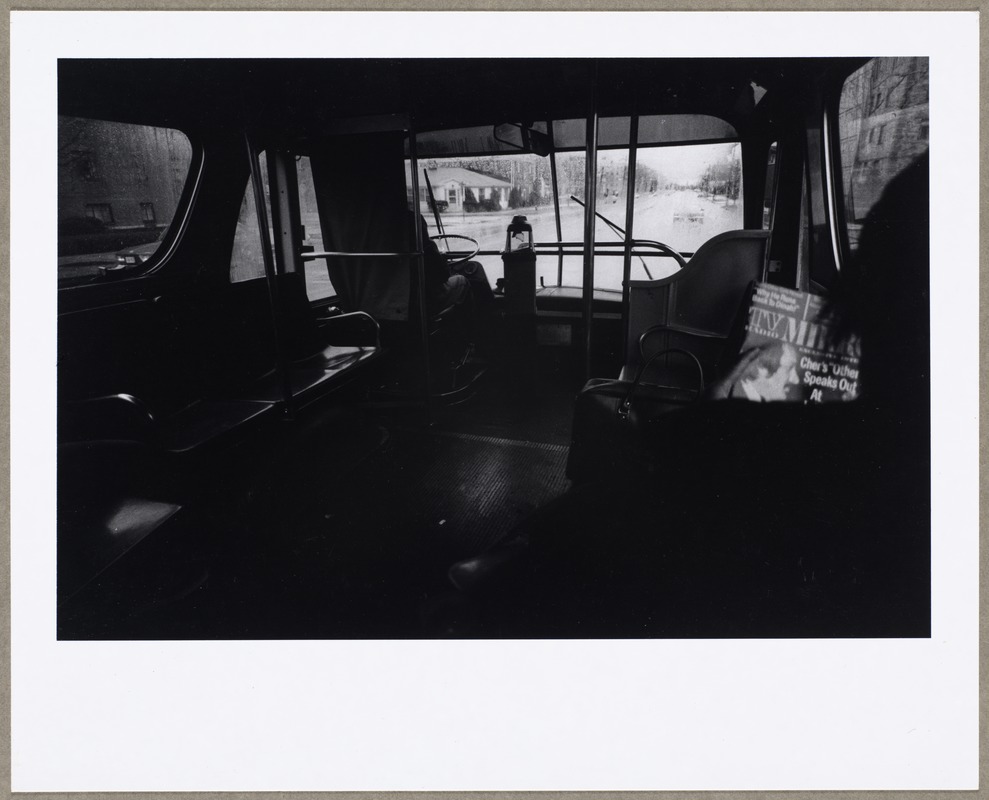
(314, 256)
(545, 247)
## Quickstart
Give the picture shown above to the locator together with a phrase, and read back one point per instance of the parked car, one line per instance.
(689, 215)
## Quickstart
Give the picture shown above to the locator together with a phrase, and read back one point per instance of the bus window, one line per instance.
(246, 260)
(687, 190)
(119, 187)
(883, 127)
(318, 285)
(612, 178)
(685, 194)
(769, 195)
(478, 196)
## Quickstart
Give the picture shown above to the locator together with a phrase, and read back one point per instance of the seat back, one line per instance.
(297, 325)
(231, 335)
(700, 301)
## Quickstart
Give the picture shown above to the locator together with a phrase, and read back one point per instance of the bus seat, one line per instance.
(319, 356)
(313, 342)
(124, 417)
(197, 366)
(169, 386)
(694, 308)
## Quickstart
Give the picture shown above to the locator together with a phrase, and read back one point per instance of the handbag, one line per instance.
(611, 418)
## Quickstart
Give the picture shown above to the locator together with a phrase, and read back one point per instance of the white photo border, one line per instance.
(515, 715)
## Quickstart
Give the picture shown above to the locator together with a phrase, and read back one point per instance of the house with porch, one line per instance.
(457, 185)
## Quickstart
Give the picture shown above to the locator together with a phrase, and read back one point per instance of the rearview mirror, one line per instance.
(522, 137)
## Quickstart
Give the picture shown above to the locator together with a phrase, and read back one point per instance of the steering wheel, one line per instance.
(665, 248)
(460, 259)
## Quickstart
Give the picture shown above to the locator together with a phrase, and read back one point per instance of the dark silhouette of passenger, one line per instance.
(887, 292)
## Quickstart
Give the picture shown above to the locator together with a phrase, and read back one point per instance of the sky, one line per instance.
(682, 164)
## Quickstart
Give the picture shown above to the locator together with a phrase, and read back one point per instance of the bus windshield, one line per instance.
(683, 195)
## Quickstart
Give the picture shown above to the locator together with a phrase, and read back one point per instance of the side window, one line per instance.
(119, 187)
(318, 285)
(769, 196)
(883, 127)
(246, 259)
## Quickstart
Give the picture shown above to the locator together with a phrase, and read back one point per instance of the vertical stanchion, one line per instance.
(420, 274)
(556, 204)
(270, 274)
(633, 143)
(590, 204)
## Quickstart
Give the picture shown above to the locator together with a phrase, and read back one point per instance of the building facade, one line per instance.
(124, 176)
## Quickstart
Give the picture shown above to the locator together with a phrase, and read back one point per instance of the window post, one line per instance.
(420, 274)
(633, 142)
(556, 204)
(269, 271)
(590, 207)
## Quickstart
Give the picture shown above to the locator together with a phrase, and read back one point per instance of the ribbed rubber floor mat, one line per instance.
(481, 487)
(459, 493)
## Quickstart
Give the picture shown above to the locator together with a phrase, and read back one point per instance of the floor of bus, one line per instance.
(345, 523)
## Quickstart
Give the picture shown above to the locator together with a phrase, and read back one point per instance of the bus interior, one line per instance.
(276, 422)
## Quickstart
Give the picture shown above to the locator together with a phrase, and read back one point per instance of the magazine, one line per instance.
(798, 356)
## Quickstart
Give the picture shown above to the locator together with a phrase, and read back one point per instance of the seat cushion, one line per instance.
(208, 421)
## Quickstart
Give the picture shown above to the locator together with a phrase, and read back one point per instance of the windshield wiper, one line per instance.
(615, 229)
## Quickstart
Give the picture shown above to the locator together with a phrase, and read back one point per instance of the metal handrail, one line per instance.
(314, 256)
(664, 251)
(545, 247)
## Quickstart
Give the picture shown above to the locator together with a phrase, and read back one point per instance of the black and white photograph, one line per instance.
(493, 346)
(419, 348)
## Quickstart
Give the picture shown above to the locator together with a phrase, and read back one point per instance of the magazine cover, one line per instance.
(798, 358)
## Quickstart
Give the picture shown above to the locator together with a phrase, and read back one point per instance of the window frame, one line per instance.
(832, 147)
